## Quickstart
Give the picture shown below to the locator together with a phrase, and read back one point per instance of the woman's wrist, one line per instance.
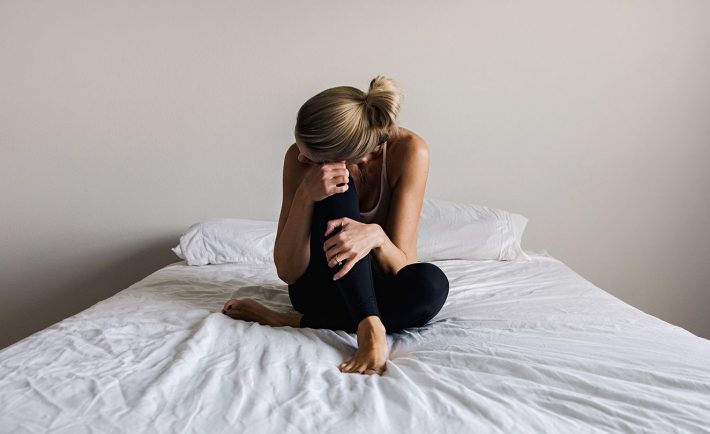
(302, 196)
(380, 235)
(389, 257)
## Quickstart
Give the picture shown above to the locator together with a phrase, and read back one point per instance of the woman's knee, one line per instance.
(295, 295)
(428, 278)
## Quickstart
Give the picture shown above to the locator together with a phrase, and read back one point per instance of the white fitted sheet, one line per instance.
(518, 347)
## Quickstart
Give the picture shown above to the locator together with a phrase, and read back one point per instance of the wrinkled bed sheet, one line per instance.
(518, 347)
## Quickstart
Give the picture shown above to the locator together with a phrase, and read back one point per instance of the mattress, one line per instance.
(519, 346)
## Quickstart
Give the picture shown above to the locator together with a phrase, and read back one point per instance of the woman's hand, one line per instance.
(323, 179)
(352, 243)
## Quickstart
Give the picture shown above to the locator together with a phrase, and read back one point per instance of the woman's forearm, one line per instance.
(292, 251)
(390, 258)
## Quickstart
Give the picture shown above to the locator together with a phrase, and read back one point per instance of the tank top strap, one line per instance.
(385, 185)
(384, 192)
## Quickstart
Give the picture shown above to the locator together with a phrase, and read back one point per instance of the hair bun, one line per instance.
(382, 102)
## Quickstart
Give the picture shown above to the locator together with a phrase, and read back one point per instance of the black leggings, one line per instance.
(411, 298)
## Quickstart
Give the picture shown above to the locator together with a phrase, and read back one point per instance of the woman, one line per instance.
(349, 269)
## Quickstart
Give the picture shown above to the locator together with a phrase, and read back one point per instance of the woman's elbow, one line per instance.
(287, 279)
(281, 273)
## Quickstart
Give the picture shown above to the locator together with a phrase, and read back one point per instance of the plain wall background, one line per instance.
(124, 122)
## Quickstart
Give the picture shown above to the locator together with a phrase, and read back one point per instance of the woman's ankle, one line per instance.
(370, 323)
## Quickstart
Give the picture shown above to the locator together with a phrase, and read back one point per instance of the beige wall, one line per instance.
(123, 122)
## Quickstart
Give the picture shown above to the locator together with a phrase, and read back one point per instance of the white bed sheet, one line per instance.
(518, 347)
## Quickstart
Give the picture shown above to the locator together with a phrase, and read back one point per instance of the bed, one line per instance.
(520, 346)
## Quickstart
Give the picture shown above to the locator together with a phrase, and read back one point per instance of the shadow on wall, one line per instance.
(63, 299)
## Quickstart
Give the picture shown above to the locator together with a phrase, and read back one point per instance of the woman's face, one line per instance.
(307, 156)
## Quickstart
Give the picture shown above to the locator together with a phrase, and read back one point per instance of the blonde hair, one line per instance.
(344, 122)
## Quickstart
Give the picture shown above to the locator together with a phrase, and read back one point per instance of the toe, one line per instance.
(381, 369)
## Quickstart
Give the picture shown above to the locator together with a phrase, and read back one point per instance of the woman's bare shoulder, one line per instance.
(406, 147)
(291, 153)
(293, 170)
(291, 158)
(406, 143)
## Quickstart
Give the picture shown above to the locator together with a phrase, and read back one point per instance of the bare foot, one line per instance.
(371, 355)
(251, 310)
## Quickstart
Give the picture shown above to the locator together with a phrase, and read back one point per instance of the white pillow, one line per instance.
(228, 240)
(454, 230)
(447, 230)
